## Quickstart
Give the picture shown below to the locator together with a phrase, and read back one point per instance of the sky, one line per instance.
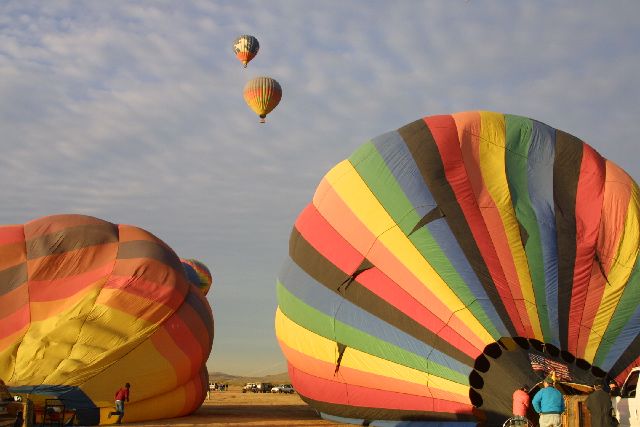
(132, 111)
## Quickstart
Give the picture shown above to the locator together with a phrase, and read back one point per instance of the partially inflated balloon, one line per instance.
(262, 94)
(445, 264)
(246, 48)
(198, 274)
(87, 305)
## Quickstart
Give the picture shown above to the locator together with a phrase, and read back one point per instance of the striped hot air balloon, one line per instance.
(246, 48)
(446, 263)
(198, 274)
(86, 306)
(262, 94)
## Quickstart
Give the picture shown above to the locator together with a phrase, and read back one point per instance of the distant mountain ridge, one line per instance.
(221, 377)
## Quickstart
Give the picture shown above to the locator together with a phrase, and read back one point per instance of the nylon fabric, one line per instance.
(306, 342)
(477, 247)
(390, 238)
(97, 305)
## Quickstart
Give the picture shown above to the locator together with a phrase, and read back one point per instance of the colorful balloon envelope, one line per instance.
(246, 48)
(198, 274)
(447, 263)
(86, 306)
(262, 94)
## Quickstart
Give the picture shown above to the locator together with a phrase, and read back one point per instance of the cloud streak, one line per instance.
(133, 112)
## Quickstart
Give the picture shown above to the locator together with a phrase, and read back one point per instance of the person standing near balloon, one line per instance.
(521, 402)
(614, 390)
(600, 407)
(549, 403)
(121, 395)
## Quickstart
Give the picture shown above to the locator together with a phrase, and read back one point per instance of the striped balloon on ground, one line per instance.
(446, 263)
(87, 305)
(198, 274)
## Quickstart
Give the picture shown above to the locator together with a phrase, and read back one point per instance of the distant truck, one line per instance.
(627, 406)
(264, 387)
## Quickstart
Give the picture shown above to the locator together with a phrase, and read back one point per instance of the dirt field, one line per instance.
(234, 408)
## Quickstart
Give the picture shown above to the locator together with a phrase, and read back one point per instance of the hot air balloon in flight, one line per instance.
(198, 274)
(246, 48)
(262, 94)
(446, 263)
(87, 305)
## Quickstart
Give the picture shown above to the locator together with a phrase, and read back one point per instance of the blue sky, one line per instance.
(132, 111)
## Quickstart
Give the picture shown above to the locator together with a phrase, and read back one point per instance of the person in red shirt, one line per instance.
(521, 402)
(121, 395)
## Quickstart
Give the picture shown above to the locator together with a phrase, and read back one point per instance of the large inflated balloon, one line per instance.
(445, 264)
(198, 274)
(246, 48)
(87, 305)
(262, 94)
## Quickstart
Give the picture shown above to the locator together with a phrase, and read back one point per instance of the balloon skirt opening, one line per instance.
(507, 365)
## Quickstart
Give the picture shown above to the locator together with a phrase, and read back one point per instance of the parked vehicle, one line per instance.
(283, 388)
(627, 405)
(252, 387)
(264, 387)
(257, 387)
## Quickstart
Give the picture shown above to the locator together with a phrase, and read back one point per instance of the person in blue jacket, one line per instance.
(549, 403)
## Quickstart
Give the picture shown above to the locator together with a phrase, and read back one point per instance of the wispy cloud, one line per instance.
(133, 111)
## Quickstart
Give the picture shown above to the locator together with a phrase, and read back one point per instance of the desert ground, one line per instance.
(234, 408)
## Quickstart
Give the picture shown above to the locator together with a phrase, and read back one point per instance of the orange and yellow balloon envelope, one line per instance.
(262, 94)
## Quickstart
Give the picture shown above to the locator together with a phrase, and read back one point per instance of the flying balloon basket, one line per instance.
(445, 264)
